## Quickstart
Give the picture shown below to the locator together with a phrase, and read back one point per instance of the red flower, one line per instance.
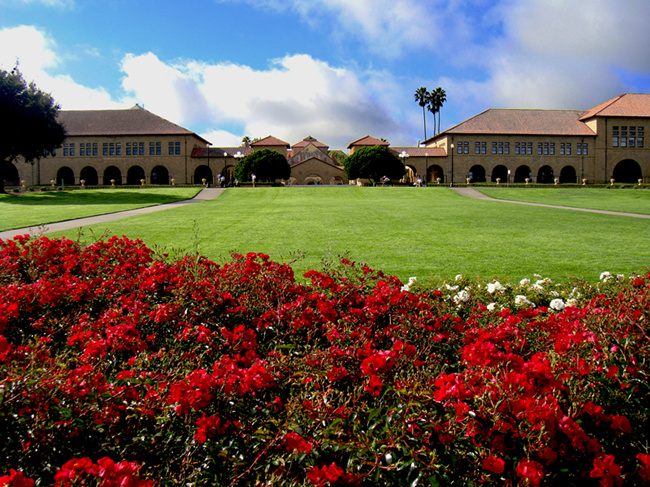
(293, 441)
(530, 472)
(608, 472)
(644, 471)
(374, 385)
(493, 464)
(15, 479)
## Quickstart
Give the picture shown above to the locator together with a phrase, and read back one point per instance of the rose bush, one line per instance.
(120, 367)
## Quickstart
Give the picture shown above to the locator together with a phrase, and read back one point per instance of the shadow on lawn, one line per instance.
(78, 198)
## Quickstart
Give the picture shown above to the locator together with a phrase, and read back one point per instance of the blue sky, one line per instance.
(334, 69)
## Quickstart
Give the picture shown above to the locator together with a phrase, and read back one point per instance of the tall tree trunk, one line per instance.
(424, 117)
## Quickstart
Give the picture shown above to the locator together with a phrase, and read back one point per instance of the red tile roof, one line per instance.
(626, 105)
(497, 121)
(309, 140)
(132, 121)
(367, 140)
(270, 141)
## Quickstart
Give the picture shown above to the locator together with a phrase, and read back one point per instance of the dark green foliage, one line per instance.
(373, 162)
(265, 164)
(28, 117)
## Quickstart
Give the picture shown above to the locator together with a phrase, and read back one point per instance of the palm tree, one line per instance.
(422, 98)
(437, 100)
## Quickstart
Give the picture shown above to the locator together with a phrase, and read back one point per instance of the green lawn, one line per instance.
(32, 209)
(624, 200)
(403, 231)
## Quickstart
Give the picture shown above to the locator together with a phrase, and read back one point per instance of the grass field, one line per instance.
(33, 209)
(402, 231)
(623, 200)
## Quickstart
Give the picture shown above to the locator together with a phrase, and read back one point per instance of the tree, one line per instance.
(436, 100)
(422, 98)
(245, 141)
(373, 162)
(267, 165)
(28, 120)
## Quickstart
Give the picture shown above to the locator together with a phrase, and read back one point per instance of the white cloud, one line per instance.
(37, 55)
(559, 54)
(388, 27)
(295, 97)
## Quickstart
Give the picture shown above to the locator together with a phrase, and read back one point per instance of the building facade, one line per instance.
(135, 146)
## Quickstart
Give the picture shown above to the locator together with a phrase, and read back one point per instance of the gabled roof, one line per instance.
(367, 140)
(270, 141)
(132, 121)
(309, 140)
(626, 105)
(419, 151)
(503, 121)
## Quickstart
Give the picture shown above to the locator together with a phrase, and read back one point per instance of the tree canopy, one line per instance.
(267, 165)
(28, 120)
(373, 162)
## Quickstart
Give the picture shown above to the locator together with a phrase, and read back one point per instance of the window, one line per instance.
(105, 149)
(517, 149)
(140, 148)
(568, 149)
(640, 135)
(94, 148)
(615, 134)
(552, 148)
(582, 149)
(483, 147)
(111, 149)
(118, 149)
(152, 149)
(506, 147)
(68, 149)
(529, 149)
(562, 149)
(545, 148)
(500, 146)
(82, 149)
(462, 148)
(477, 148)
(494, 147)
(128, 148)
(540, 148)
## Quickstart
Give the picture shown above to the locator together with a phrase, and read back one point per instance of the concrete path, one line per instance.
(472, 193)
(204, 195)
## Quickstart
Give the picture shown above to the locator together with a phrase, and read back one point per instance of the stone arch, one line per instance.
(336, 181)
(112, 172)
(477, 174)
(202, 172)
(568, 175)
(89, 175)
(159, 175)
(500, 172)
(545, 175)
(313, 179)
(10, 174)
(65, 176)
(229, 175)
(627, 171)
(409, 174)
(134, 176)
(436, 172)
(522, 173)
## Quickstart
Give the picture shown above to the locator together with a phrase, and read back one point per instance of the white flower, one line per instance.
(461, 297)
(522, 301)
(537, 287)
(537, 276)
(557, 304)
(450, 288)
(620, 277)
(606, 276)
(571, 302)
(524, 282)
(555, 294)
(491, 306)
(407, 287)
(459, 277)
(494, 286)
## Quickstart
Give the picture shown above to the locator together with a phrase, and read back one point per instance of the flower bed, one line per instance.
(119, 367)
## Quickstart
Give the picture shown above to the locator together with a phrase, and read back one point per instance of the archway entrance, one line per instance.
(65, 176)
(500, 172)
(314, 179)
(201, 173)
(89, 175)
(435, 173)
(112, 172)
(545, 175)
(568, 175)
(477, 174)
(159, 175)
(627, 171)
(134, 176)
(522, 173)
(10, 174)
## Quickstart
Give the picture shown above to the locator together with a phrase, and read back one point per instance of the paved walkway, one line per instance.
(472, 193)
(204, 195)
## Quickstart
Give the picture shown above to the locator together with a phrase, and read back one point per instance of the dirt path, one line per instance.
(472, 193)
(204, 195)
